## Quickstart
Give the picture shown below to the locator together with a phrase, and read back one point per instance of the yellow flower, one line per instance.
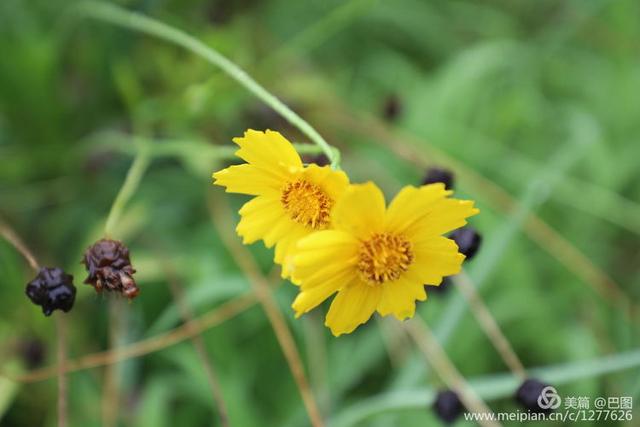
(378, 258)
(291, 200)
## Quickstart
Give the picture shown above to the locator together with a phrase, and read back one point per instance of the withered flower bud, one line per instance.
(52, 289)
(109, 267)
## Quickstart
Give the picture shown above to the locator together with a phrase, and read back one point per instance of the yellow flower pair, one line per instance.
(332, 236)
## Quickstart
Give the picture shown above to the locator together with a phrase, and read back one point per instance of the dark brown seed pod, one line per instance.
(109, 268)
(52, 289)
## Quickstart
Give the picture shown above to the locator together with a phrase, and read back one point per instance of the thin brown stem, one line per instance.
(141, 348)
(436, 356)
(62, 379)
(395, 342)
(15, 240)
(197, 341)
(242, 257)
(111, 390)
(314, 333)
(489, 325)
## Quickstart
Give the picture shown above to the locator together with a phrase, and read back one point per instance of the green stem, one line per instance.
(131, 182)
(115, 15)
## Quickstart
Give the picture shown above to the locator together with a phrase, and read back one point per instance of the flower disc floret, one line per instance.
(383, 258)
(307, 204)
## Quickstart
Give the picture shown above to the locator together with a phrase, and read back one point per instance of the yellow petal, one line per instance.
(361, 210)
(445, 215)
(286, 249)
(411, 205)
(352, 306)
(247, 179)
(323, 254)
(267, 150)
(435, 258)
(327, 243)
(399, 298)
(259, 217)
(311, 297)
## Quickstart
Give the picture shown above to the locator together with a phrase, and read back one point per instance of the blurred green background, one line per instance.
(539, 97)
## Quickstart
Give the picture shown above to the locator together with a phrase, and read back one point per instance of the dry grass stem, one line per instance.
(221, 220)
(197, 341)
(489, 325)
(436, 356)
(61, 327)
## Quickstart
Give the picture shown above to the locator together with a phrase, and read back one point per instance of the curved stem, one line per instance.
(15, 240)
(115, 15)
(131, 182)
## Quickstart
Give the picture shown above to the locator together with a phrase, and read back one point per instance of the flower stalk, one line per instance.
(113, 14)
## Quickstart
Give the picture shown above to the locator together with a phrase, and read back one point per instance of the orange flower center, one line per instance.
(384, 257)
(307, 204)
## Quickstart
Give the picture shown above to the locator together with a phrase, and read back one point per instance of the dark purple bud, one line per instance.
(52, 289)
(109, 268)
(444, 176)
(448, 406)
(530, 396)
(468, 241)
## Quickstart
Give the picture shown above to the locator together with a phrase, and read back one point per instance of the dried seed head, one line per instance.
(528, 394)
(448, 406)
(109, 268)
(52, 289)
(444, 176)
(468, 241)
